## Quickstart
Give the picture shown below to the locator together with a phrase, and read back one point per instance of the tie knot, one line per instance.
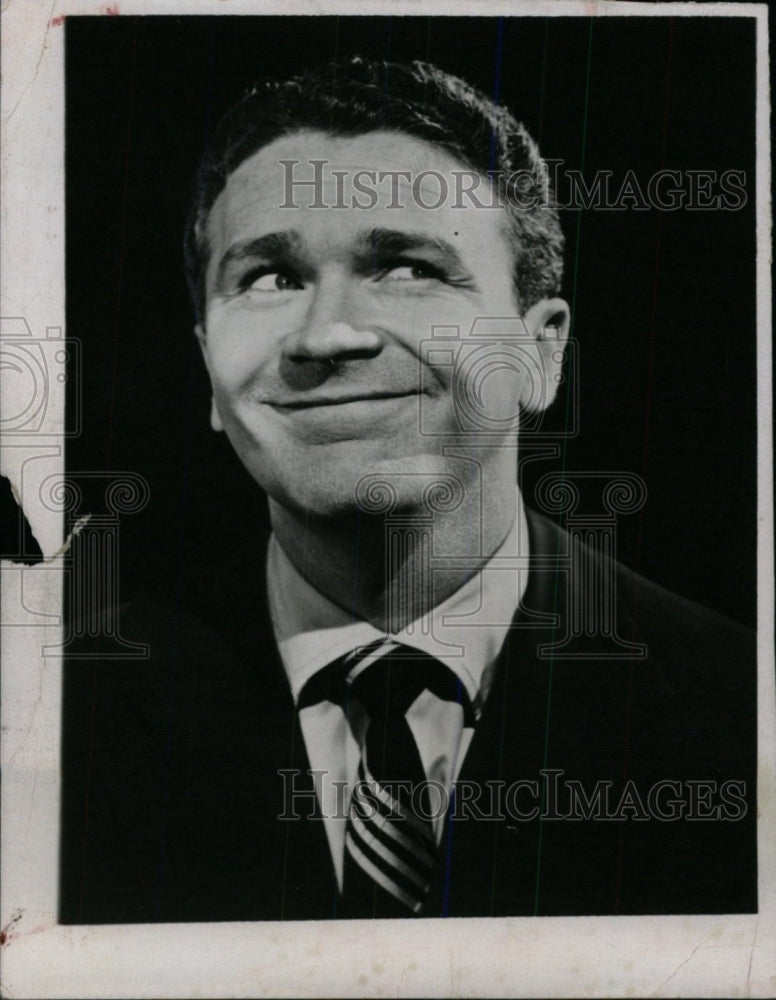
(387, 684)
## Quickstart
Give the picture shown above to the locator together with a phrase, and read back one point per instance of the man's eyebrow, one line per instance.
(388, 242)
(374, 243)
(271, 245)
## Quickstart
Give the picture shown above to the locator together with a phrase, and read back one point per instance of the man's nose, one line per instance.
(333, 329)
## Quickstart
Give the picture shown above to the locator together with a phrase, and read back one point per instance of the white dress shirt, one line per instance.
(466, 632)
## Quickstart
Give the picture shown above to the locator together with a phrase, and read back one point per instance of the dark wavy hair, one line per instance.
(359, 96)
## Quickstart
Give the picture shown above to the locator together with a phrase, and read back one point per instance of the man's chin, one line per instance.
(386, 486)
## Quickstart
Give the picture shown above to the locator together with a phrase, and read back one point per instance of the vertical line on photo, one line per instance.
(387, 57)
(448, 853)
(177, 583)
(356, 556)
(491, 165)
(448, 826)
(563, 458)
(497, 85)
(647, 406)
(499, 771)
(87, 792)
(386, 64)
(334, 59)
(427, 57)
(122, 246)
(543, 83)
(583, 152)
(655, 290)
(499, 55)
(284, 863)
(175, 580)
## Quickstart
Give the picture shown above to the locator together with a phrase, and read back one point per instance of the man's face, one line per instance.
(315, 318)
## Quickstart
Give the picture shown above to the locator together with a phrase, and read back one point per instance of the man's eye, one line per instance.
(412, 272)
(273, 281)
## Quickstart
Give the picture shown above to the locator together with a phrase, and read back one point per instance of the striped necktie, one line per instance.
(390, 846)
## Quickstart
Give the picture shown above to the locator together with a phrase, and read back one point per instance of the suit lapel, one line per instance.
(487, 864)
(294, 873)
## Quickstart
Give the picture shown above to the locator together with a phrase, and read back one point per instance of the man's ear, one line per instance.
(215, 416)
(547, 321)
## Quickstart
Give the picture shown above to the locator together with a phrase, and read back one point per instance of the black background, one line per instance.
(664, 302)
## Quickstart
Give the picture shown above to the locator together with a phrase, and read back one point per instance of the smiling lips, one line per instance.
(312, 402)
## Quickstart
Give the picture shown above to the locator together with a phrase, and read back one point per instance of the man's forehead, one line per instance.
(341, 187)
(390, 152)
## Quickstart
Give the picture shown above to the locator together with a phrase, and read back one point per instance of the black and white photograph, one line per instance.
(389, 476)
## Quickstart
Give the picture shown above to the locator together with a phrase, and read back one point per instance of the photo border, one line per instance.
(709, 955)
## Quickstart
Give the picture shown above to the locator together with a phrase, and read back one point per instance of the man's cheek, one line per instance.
(486, 384)
(236, 358)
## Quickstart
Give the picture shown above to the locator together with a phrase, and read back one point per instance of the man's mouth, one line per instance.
(342, 399)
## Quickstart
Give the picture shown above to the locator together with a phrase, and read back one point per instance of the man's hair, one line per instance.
(361, 96)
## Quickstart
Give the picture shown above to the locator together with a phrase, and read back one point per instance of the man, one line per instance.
(381, 716)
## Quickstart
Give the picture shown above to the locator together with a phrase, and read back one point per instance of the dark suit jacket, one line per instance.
(172, 786)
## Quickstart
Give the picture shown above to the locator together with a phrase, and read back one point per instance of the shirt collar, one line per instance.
(466, 630)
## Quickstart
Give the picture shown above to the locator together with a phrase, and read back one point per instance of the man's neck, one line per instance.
(381, 569)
